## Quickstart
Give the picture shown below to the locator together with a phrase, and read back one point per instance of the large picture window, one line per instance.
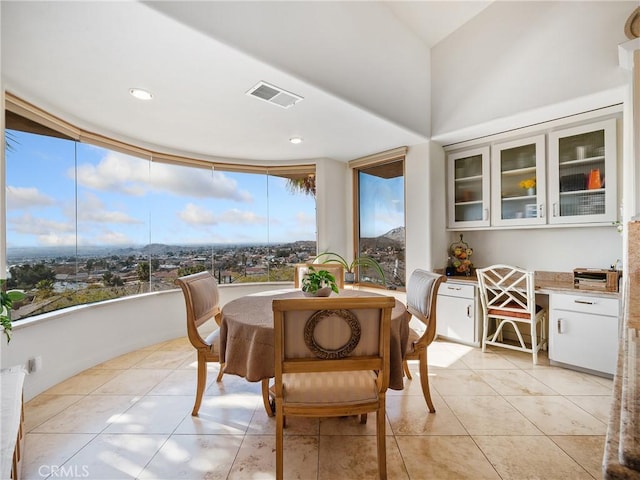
(87, 223)
(380, 226)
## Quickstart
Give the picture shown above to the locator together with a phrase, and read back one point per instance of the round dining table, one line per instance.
(247, 335)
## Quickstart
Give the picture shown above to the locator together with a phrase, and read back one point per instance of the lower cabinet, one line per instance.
(583, 331)
(457, 313)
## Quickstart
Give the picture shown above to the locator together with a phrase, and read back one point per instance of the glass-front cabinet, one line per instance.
(468, 193)
(582, 174)
(518, 182)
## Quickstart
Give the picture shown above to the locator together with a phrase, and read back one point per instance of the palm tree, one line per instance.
(306, 185)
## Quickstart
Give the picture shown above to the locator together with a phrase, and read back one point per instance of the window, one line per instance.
(87, 223)
(380, 223)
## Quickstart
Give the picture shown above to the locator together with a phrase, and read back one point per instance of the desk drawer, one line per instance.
(585, 304)
(452, 289)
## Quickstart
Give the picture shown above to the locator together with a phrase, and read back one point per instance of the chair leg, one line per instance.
(424, 380)
(221, 372)
(279, 441)
(381, 439)
(202, 381)
(266, 397)
(485, 332)
(405, 366)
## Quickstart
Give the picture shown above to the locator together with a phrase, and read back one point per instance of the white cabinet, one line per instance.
(518, 183)
(583, 331)
(582, 173)
(468, 188)
(573, 168)
(457, 313)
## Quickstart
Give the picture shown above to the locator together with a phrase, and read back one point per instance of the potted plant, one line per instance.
(6, 302)
(319, 283)
(349, 274)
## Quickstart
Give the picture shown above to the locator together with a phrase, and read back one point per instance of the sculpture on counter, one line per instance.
(460, 257)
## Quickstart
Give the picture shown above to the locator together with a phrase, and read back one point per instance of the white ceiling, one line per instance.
(362, 68)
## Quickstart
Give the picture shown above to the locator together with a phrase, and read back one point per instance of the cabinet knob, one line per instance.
(559, 325)
(584, 302)
(468, 311)
(541, 210)
(555, 209)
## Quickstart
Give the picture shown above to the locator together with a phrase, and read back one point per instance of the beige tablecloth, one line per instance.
(246, 336)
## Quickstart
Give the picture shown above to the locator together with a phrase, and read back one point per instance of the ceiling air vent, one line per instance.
(272, 94)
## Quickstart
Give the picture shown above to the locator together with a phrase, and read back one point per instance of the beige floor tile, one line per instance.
(169, 359)
(181, 382)
(257, 458)
(43, 452)
(226, 414)
(91, 414)
(409, 416)
(116, 456)
(194, 457)
(459, 382)
(556, 415)
(45, 406)
(568, 382)
(477, 360)
(177, 344)
(523, 457)
(352, 426)
(83, 383)
(133, 382)
(489, 415)
(597, 405)
(355, 458)
(588, 451)
(127, 360)
(261, 424)
(523, 360)
(231, 384)
(153, 414)
(445, 458)
(514, 382)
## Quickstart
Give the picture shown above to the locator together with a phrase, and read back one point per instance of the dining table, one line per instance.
(247, 335)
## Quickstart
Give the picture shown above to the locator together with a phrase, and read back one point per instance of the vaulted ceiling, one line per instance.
(362, 68)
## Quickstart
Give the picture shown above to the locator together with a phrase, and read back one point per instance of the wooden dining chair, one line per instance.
(201, 298)
(422, 296)
(335, 269)
(332, 359)
(508, 297)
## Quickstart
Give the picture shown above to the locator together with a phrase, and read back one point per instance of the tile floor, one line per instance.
(498, 417)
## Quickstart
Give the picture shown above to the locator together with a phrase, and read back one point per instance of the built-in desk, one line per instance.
(583, 324)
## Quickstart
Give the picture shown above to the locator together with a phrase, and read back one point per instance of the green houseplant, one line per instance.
(6, 302)
(319, 283)
(349, 267)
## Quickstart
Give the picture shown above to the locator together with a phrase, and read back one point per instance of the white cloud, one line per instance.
(30, 225)
(112, 238)
(195, 215)
(240, 217)
(303, 218)
(117, 172)
(92, 209)
(57, 239)
(25, 197)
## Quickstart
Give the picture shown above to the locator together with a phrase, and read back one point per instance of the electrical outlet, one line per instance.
(35, 364)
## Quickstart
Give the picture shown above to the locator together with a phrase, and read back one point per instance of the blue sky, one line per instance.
(124, 200)
(382, 204)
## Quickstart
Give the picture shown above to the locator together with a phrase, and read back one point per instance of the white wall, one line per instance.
(544, 58)
(552, 249)
(424, 207)
(334, 210)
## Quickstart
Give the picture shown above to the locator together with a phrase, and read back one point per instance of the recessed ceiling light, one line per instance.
(295, 140)
(140, 93)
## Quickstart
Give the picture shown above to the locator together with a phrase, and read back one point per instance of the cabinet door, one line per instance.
(456, 319)
(582, 174)
(468, 188)
(584, 340)
(518, 182)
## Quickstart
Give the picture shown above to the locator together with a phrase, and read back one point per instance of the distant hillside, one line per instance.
(393, 238)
